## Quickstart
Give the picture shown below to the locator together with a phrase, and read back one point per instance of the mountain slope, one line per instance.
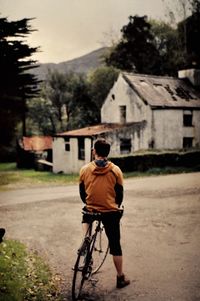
(82, 64)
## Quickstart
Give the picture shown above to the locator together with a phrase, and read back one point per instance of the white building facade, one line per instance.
(140, 112)
(169, 108)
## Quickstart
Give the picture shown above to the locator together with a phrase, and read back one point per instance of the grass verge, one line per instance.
(11, 177)
(25, 276)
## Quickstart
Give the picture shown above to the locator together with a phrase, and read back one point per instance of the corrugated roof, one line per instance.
(162, 91)
(93, 130)
(37, 143)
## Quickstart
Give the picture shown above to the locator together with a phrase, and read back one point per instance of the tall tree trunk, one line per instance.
(23, 116)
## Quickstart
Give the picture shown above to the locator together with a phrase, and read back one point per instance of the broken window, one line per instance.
(187, 118)
(81, 149)
(187, 142)
(125, 146)
(151, 143)
(122, 110)
(113, 96)
(67, 144)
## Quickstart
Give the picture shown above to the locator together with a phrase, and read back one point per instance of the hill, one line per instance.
(82, 64)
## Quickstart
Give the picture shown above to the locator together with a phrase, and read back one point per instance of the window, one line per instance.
(151, 143)
(187, 142)
(125, 146)
(122, 110)
(187, 118)
(81, 148)
(67, 144)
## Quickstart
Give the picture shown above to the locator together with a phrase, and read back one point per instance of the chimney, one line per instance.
(193, 75)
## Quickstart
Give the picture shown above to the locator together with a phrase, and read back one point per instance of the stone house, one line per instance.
(140, 112)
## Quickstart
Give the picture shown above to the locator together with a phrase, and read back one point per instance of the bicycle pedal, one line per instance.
(87, 276)
(80, 269)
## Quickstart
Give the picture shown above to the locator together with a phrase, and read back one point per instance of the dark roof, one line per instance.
(163, 91)
(37, 143)
(94, 130)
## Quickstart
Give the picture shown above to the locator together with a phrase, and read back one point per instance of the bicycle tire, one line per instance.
(100, 250)
(80, 270)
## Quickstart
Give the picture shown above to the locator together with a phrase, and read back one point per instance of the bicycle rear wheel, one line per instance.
(80, 271)
(100, 250)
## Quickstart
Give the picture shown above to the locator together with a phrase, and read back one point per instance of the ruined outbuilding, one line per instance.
(32, 149)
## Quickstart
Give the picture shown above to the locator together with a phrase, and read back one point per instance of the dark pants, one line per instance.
(111, 222)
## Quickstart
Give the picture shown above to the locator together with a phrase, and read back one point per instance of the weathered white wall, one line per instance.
(123, 96)
(169, 130)
(136, 111)
(67, 161)
(73, 162)
(196, 129)
(60, 156)
(88, 150)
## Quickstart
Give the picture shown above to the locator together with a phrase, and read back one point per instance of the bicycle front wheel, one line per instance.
(79, 276)
(100, 250)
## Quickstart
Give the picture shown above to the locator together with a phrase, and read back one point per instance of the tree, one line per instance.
(168, 43)
(84, 111)
(136, 50)
(17, 85)
(189, 32)
(101, 81)
(41, 117)
(69, 96)
(185, 17)
(195, 6)
(57, 90)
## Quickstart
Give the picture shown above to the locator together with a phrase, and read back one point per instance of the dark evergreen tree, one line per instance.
(136, 51)
(169, 46)
(17, 84)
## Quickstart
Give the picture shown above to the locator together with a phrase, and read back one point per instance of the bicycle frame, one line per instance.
(85, 264)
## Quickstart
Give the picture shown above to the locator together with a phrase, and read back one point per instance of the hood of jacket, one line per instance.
(101, 170)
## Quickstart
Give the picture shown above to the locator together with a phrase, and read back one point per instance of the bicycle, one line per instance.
(91, 254)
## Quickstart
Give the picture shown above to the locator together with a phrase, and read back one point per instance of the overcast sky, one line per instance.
(67, 29)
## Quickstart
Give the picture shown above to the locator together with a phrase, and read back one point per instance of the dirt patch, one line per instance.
(160, 236)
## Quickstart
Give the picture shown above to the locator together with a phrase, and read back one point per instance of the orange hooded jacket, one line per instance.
(101, 188)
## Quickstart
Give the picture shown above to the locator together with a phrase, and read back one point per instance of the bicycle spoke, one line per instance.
(100, 250)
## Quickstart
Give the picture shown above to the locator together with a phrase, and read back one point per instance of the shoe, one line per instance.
(122, 281)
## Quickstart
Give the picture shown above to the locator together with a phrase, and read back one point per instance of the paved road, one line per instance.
(160, 236)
